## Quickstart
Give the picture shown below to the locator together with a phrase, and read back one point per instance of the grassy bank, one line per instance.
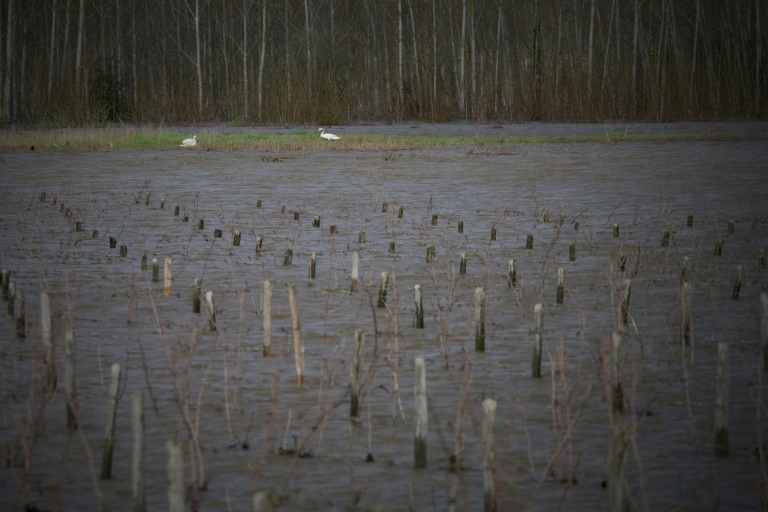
(132, 140)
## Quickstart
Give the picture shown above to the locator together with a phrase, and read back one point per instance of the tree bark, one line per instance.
(262, 56)
(53, 47)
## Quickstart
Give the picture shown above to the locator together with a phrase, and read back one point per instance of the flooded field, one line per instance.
(243, 420)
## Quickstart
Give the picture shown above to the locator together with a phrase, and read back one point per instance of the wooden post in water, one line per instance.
(267, 315)
(618, 391)
(176, 210)
(162, 203)
(546, 217)
(529, 242)
(316, 221)
(617, 456)
(419, 307)
(434, 219)
(296, 215)
(489, 483)
(361, 237)
(298, 345)
(463, 263)
(312, 265)
(383, 289)
(400, 213)
(461, 226)
(123, 250)
(146, 199)
(737, 282)
(420, 406)
(560, 285)
(686, 272)
(665, 239)
(512, 274)
(690, 221)
(143, 265)
(48, 369)
(155, 270)
(261, 503)
(764, 328)
(615, 231)
(196, 288)
(258, 203)
(761, 258)
(288, 258)
(686, 292)
(236, 239)
(430, 253)
(479, 320)
(201, 224)
(721, 400)
(20, 315)
(217, 233)
(493, 233)
(384, 207)
(176, 485)
(626, 288)
(138, 494)
(109, 436)
(259, 240)
(167, 277)
(333, 229)
(112, 242)
(11, 298)
(731, 227)
(392, 247)
(719, 247)
(355, 271)
(538, 340)
(354, 374)
(211, 310)
(572, 251)
(70, 390)
(6, 276)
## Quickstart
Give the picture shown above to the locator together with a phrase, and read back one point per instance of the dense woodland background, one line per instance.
(90, 62)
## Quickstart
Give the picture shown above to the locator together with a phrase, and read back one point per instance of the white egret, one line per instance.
(189, 142)
(327, 136)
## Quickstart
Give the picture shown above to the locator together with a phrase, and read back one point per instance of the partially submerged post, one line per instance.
(312, 265)
(560, 285)
(196, 288)
(109, 437)
(419, 307)
(137, 453)
(430, 253)
(355, 271)
(211, 310)
(538, 340)
(167, 277)
(354, 374)
(512, 274)
(288, 258)
(383, 289)
(737, 282)
(298, 345)
(155, 270)
(463, 263)
(529, 242)
(479, 320)
(267, 315)
(618, 392)
(420, 405)
(70, 389)
(489, 484)
(721, 400)
(176, 485)
(686, 293)
(572, 251)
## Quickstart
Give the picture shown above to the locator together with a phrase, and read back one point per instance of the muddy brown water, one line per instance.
(551, 434)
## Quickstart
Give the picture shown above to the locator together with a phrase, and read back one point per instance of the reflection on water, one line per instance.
(216, 386)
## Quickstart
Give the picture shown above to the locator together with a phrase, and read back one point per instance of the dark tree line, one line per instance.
(74, 62)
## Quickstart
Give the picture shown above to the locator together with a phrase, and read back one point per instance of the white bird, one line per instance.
(189, 142)
(327, 136)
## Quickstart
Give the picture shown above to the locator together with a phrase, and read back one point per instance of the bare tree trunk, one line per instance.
(65, 47)
(134, 43)
(164, 49)
(287, 57)
(53, 47)
(591, 49)
(8, 65)
(309, 51)
(472, 59)
(400, 83)
(78, 55)
(758, 57)
(262, 56)
(417, 86)
(635, 35)
(246, 8)
(607, 48)
(693, 58)
(496, 90)
(375, 58)
(537, 59)
(434, 59)
(198, 62)
(462, 52)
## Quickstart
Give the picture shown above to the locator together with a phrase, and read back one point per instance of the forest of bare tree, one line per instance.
(90, 62)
